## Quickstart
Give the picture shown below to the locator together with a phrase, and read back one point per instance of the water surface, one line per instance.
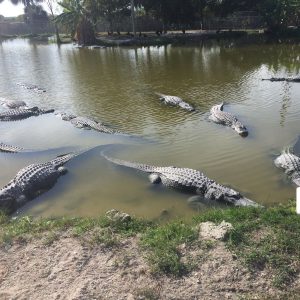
(117, 86)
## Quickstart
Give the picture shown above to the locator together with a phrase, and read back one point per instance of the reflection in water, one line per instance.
(118, 85)
(286, 99)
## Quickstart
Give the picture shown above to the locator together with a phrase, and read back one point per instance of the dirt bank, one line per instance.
(127, 259)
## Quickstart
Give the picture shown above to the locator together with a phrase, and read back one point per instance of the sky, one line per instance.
(9, 10)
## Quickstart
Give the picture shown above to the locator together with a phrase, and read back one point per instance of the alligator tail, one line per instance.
(129, 164)
(62, 159)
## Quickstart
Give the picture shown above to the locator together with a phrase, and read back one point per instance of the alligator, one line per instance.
(221, 117)
(188, 180)
(23, 113)
(175, 101)
(86, 123)
(32, 87)
(296, 79)
(12, 104)
(291, 164)
(32, 181)
(10, 149)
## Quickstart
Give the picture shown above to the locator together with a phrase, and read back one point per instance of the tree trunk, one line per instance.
(58, 40)
(85, 33)
(133, 17)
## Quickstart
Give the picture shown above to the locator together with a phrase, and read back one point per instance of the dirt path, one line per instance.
(72, 269)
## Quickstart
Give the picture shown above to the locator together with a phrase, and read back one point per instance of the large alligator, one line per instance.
(296, 79)
(12, 104)
(291, 164)
(23, 113)
(32, 181)
(86, 123)
(221, 117)
(175, 101)
(32, 87)
(188, 180)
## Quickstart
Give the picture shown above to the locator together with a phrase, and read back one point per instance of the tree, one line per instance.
(34, 14)
(278, 13)
(112, 11)
(173, 12)
(78, 16)
(50, 6)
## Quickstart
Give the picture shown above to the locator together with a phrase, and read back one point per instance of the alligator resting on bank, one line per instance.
(32, 181)
(291, 164)
(221, 117)
(23, 113)
(175, 101)
(12, 104)
(297, 79)
(32, 87)
(188, 180)
(86, 123)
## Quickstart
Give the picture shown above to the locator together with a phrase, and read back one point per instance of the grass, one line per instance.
(162, 243)
(262, 239)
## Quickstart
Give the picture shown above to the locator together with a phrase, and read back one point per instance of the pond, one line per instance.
(118, 86)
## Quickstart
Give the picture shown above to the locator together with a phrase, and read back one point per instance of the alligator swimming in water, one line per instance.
(10, 149)
(32, 181)
(86, 123)
(291, 164)
(188, 180)
(32, 87)
(23, 113)
(297, 79)
(221, 117)
(12, 104)
(175, 101)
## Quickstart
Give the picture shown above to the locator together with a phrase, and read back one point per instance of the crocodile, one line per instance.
(32, 181)
(291, 164)
(12, 104)
(188, 180)
(23, 113)
(288, 79)
(86, 123)
(221, 117)
(32, 87)
(175, 101)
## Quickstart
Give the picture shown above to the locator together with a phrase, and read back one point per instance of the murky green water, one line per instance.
(117, 86)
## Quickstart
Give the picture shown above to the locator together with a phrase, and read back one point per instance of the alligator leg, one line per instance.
(62, 170)
(154, 178)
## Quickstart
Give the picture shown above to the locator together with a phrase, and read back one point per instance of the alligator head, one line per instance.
(228, 195)
(66, 116)
(240, 128)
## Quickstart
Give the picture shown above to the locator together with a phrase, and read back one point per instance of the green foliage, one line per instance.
(162, 244)
(174, 12)
(279, 13)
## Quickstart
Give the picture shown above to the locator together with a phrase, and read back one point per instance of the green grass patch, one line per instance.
(162, 245)
(27, 227)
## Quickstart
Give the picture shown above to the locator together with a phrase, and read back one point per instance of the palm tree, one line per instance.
(77, 16)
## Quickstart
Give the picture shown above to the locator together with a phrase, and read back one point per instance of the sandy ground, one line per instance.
(70, 268)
